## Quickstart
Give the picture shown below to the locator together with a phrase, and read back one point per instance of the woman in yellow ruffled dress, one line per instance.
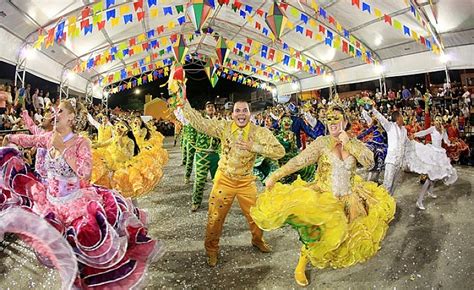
(153, 157)
(131, 161)
(340, 218)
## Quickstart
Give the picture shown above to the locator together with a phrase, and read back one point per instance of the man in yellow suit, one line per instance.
(241, 141)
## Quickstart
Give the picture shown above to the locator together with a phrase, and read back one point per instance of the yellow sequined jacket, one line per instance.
(235, 162)
(333, 174)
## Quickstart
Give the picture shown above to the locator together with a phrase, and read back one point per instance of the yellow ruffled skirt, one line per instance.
(132, 178)
(335, 232)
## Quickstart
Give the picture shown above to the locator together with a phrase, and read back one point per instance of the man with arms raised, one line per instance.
(241, 141)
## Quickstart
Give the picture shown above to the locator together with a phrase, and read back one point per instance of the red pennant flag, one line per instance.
(284, 6)
(135, 65)
(145, 45)
(257, 25)
(298, 54)
(322, 29)
(160, 29)
(174, 37)
(138, 4)
(272, 52)
(235, 51)
(131, 52)
(101, 25)
(140, 15)
(356, 3)
(247, 48)
(309, 33)
(300, 65)
(422, 40)
(249, 41)
(132, 42)
(85, 12)
(332, 20)
(155, 55)
(260, 12)
(388, 19)
(345, 47)
(237, 4)
(357, 44)
(84, 23)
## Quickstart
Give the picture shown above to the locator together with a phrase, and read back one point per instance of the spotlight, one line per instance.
(27, 52)
(379, 69)
(70, 75)
(329, 78)
(294, 85)
(137, 91)
(274, 92)
(444, 58)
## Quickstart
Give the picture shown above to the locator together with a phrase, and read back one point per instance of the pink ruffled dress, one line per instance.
(106, 232)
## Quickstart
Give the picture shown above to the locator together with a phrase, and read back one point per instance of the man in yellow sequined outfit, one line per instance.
(241, 141)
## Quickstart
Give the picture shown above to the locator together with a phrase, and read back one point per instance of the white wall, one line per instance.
(39, 64)
(461, 57)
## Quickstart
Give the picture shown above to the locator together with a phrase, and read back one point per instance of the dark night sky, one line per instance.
(199, 89)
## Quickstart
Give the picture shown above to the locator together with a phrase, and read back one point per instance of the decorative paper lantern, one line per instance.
(199, 11)
(222, 51)
(214, 78)
(276, 20)
(180, 49)
(210, 68)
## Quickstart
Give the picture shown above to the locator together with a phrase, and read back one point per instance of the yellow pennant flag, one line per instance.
(339, 27)
(312, 22)
(153, 12)
(141, 37)
(290, 25)
(40, 41)
(414, 35)
(171, 24)
(378, 13)
(114, 21)
(250, 19)
(124, 9)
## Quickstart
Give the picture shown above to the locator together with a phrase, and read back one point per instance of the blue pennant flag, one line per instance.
(181, 20)
(109, 3)
(110, 14)
(128, 18)
(167, 10)
(304, 18)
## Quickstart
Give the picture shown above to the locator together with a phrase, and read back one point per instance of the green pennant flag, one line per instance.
(139, 81)
(179, 8)
(351, 49)
(97, 7)
(162, 52)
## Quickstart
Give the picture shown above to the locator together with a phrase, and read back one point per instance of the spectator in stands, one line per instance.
(3, 100)
(466, 97)
(47, 100)
(34, 100)
(406, 96)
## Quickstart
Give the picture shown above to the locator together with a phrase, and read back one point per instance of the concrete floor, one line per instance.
(426, 250)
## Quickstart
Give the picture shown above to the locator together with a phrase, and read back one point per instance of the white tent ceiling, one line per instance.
(20, 21)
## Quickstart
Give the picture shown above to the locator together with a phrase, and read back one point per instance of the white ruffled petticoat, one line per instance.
(430, 160)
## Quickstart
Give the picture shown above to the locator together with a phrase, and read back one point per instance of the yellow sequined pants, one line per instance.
(223, 192)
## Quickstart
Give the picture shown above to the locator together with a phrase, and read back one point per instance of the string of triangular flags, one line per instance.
(405, 29)
(102, 13)
(145, 78)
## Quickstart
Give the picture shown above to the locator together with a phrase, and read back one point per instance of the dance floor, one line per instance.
(426, 249)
